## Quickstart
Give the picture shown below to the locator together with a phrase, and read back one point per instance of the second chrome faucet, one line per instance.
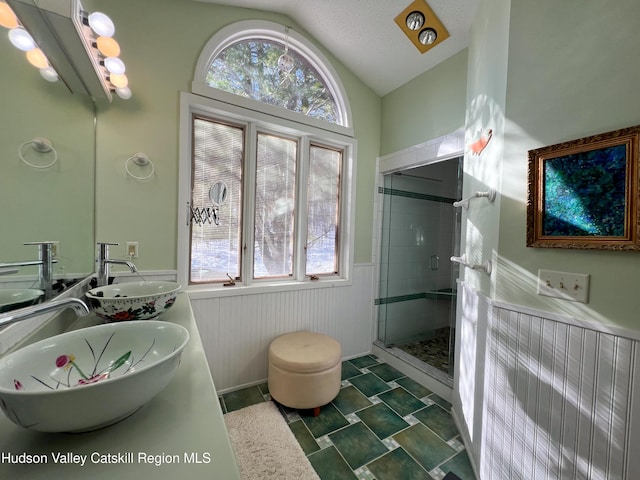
(103, 263)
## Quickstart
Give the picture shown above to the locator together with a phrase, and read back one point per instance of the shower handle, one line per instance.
(434, 262)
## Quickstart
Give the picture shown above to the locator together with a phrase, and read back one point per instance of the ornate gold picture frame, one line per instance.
(583, 194)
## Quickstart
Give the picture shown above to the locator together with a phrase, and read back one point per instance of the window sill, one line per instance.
(197, 292)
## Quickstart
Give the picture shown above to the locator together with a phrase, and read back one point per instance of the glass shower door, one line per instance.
(416, 303)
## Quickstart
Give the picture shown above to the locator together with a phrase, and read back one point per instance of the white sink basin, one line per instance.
(132, 300)
(89, 378)
(12, 298)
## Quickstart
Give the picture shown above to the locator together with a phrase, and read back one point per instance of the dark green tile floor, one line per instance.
(382, 425)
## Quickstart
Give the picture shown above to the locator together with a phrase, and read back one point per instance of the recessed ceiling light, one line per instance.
(419, 22)
(415, 20)
(427, 36)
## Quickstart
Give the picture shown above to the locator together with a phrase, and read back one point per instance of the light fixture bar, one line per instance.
(59, 29)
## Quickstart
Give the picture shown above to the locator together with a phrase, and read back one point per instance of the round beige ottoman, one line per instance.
(304, 370)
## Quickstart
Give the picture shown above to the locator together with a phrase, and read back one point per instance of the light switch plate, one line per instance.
(565, 285)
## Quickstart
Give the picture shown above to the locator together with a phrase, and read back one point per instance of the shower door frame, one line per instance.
(444, 148)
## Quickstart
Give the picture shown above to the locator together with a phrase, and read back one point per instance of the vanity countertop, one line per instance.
(178, 434)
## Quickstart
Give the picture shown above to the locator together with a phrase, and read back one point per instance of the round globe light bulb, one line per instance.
(108, 46)
(8, 19)
(124, 93)
(49, 74)
(37, 58)
(21, 39)
(114, 65)
(119, 80)
(101, 24)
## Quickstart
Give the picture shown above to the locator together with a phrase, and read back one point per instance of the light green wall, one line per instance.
(485, 110)
(429, 106)
(52, 204)
(539, 73)
(572, 73)
(161, 41)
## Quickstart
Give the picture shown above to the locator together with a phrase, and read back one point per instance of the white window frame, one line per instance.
(251, 29)
(190, 105)
(216, 103)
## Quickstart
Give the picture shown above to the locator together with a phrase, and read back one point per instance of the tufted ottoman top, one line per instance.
(304, 352)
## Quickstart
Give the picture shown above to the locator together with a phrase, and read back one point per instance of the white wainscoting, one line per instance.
(236, 330)
(545, 396)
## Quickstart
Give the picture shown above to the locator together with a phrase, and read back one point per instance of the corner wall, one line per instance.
(572, 72)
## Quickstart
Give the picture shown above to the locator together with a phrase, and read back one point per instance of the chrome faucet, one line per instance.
(78, 306)
(45, 267)
(103, 261)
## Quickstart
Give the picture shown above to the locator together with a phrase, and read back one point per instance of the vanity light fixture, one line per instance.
(68, 43)
(8, 19)
(422, 26)
(101, 24)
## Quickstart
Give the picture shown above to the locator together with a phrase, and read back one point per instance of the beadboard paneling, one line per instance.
(236, 331)
(556, 399)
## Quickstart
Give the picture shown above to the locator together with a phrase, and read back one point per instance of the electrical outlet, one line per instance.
(565, 285)
(132, 249)
(55, 249)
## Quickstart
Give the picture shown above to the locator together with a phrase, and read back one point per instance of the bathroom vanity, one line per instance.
(179, 434)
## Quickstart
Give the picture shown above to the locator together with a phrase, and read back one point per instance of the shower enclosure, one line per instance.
(420, 232)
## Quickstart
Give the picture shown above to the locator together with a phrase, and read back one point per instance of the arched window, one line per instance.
(270, 72)
(270, 127)
(271, 64)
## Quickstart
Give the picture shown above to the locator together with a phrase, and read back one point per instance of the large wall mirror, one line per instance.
(45, 204)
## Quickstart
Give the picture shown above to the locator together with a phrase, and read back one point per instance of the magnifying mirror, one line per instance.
(218, 193)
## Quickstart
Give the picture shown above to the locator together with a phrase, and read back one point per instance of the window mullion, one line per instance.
(300, 256)
(249, 204)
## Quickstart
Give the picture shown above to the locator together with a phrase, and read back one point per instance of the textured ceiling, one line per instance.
(363, 35)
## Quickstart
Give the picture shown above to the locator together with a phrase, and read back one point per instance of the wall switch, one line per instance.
(565, 285)
(132, 249)
(55, 249)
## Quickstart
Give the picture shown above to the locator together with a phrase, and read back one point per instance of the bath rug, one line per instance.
(264, 445)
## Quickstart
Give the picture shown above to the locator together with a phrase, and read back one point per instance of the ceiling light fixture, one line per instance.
(68, 43)
(414, 20)
(427, 36)
(421, 25)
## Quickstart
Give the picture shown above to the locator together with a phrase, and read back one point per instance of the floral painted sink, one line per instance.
(89, 378)
(132, 300)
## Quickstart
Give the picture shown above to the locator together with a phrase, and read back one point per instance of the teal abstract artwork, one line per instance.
(585, 193)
